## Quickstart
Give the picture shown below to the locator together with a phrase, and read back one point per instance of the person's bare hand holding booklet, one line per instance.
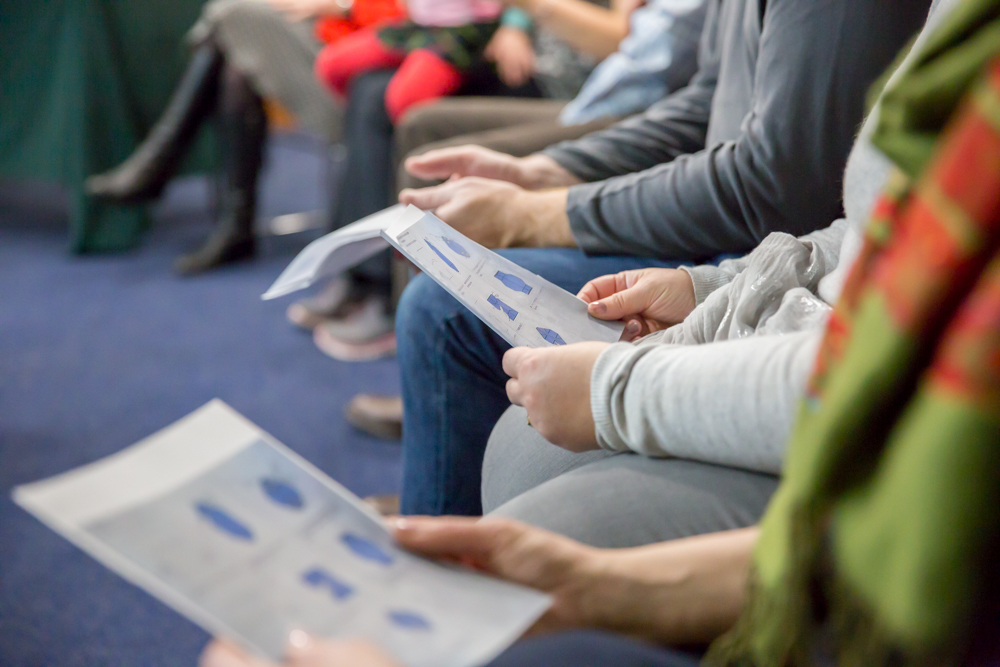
(235, 531)
(523, 308)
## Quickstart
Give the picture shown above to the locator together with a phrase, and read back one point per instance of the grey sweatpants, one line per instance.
(613, 500)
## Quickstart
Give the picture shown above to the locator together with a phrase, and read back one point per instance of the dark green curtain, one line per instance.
(81, 81)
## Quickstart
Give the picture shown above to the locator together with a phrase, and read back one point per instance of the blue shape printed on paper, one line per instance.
(454, 245)
(500, 305)
(550, 335)
(224, 521)
(318, 577)
(441, 255)
(282, 492)
(409, 620)
(365, 548)
(513, 282)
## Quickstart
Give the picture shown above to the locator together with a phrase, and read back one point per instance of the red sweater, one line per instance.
(363, 13)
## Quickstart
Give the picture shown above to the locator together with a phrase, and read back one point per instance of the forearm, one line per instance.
(591, 29)
(679, 592)
(703, 402)
(729, 196)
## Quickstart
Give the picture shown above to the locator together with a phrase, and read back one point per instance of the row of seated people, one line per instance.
(341, 76)
(793, 460)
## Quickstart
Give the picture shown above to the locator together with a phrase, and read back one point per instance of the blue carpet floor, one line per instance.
(98, 352)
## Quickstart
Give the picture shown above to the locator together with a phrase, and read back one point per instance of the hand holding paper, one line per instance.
(523, 308)
(248, 540)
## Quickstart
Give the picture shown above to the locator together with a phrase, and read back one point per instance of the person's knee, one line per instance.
(225, 13)
(331, 68)
(412, 129)
(423, 76)
(420, 312)
(499, 478)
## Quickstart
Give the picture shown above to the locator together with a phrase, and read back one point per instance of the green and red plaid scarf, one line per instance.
(882, 545)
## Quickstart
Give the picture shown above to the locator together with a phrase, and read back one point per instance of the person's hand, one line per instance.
(497, 214)
(300, 10)
(553, 385)
(652, 298)
(516, 552)
(302, 651)
(531, 173)
(511, 50)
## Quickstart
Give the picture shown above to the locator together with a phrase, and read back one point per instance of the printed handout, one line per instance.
(247, 539)
(523, 308)
(335, 253)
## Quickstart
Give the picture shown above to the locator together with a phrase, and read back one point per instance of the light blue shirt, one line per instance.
(659, 56)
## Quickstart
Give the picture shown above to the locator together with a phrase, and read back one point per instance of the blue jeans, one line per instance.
(453, 383)
(590, 648)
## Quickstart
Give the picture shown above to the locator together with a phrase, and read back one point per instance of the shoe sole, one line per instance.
(378, 348)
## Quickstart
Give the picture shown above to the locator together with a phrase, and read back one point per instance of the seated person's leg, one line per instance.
(469, 121)
(458, 116)
(453, 383)
(614, 500)
(278, 56)
(517, 459)
(591, 647)
(338, 63)
(423, 76)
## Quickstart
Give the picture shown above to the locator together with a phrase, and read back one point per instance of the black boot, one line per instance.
(243, 132)
(145, 173)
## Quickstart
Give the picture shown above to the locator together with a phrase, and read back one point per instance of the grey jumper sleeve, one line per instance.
(730, 403)
(824, 244)
(815, 61)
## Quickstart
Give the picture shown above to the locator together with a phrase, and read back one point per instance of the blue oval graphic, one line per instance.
(409, 620)
(456, 247)
(318, 577)
(282, 492)
(364, 548)
(224, 521)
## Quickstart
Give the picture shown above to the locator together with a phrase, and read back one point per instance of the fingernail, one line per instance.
(632, 327)
(599, 307)
(299, 640)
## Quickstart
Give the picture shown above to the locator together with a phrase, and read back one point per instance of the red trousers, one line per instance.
(421, 75)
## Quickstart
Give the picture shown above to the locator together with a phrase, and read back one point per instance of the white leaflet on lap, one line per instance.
(244, 537)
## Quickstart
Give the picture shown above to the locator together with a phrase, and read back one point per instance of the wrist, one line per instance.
(687, 300)
(538, 220)
(540, 171)
(605, 587)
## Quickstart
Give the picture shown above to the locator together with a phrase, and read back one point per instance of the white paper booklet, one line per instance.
(248, 540)
(523, 308)
(335, 253)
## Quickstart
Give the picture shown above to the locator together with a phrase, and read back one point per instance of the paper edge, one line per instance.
(274, 292)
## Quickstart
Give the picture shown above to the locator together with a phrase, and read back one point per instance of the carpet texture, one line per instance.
(98, 352)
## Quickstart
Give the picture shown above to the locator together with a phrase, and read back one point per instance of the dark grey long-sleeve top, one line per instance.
(756, 143)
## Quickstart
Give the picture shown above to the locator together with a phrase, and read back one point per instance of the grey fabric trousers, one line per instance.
(613, 500)
(277, 56)
(516, 126)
